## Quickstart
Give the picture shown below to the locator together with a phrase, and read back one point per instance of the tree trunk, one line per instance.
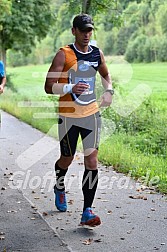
(4, 56)
(86, 6)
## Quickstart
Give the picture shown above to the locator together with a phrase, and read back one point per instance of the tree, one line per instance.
(123, 37)
(162, 17)
(125, 3)
(92, 7)
(5, 7)
(62, 24)
(162, 56)
(28, 21)
(135, 49)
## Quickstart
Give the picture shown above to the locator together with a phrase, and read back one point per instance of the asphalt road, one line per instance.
(134, 217)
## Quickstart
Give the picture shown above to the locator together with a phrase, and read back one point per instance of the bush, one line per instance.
(9, 82)
(162, 55)
(135, 49)
(147, 49)
(146, 126)
(109, 44)
(16, 58)
(138, 121)
(123, 37)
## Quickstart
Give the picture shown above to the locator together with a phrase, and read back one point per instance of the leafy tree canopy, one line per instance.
(28, 20)
(5, 8)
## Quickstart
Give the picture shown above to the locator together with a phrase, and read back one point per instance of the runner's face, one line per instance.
(82, 37)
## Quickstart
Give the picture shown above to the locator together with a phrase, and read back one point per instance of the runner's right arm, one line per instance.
(51, 83)
(55, 71)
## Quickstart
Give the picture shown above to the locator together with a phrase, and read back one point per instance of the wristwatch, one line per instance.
(111, 91)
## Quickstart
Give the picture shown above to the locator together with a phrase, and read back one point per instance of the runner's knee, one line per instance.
(64, 162)
(91, 161)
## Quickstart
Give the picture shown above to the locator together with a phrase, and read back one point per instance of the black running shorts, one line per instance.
(70, 129)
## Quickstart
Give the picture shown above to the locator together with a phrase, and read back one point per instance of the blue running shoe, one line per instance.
(60, 200)
(89, 218)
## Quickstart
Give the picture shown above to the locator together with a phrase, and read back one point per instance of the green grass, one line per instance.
(125, 151)
(114, 151)
(152, 74)
(29, 80)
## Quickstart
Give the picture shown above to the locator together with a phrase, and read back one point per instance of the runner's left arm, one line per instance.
(106, 98)
(2, 85)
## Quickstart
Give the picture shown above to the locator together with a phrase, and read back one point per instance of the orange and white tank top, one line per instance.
(82, 67)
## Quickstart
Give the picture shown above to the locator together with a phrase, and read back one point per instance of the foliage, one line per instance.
(65, 38)
(125, 3)
(123, 37)
(42, 53)
(9, 82)
(135, 50)
(147, 49)
(16, 58)
(162, 49)
(109, 46)
(5, 9)
(92, 7)
(150, 18)
(161, 17)
(120, 27)
(29, 20)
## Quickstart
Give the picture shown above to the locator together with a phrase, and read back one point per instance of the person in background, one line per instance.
(72, 76)
(2, 77)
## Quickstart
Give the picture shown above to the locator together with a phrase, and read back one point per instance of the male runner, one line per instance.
(72, 76)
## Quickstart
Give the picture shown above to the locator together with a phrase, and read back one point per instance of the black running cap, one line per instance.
(83, 21)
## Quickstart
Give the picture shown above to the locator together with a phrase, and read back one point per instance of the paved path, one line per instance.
(30, 222)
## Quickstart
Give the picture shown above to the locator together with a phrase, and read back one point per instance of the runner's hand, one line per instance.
(1, 89)
(80, 87)
(105, 100)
